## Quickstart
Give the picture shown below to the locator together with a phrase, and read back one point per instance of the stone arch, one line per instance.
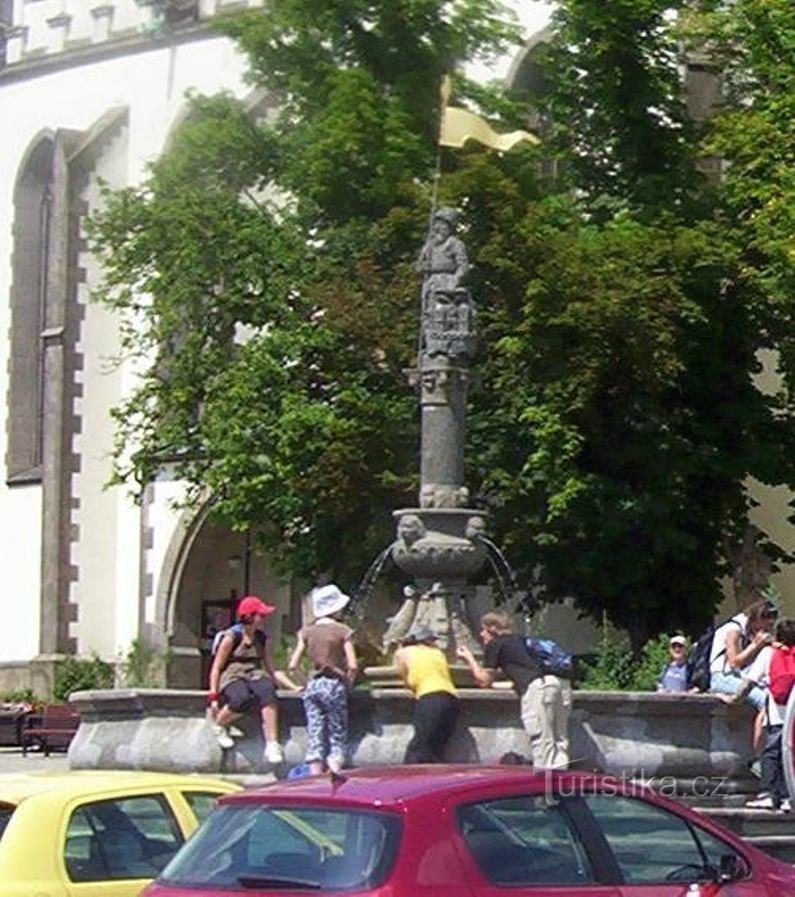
(206, 568)
(526, 73)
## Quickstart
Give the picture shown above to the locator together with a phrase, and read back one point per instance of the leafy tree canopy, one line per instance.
(266, 273)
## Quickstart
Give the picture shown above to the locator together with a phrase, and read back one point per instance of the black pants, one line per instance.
(435, 717)
(772, 762)
(242, 695)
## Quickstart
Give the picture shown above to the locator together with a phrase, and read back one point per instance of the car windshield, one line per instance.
(5, 816)
(247, 846)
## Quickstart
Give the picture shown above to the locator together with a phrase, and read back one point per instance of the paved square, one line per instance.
(13, 760)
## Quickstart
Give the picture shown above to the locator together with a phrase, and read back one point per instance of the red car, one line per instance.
(464, 831)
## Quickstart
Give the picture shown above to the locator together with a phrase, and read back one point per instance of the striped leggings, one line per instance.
(326, 708)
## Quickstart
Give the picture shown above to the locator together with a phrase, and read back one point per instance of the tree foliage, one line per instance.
(623, 296)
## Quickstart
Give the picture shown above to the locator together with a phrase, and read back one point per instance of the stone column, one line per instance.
(443, 394)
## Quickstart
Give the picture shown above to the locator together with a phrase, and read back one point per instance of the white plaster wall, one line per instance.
(20, 508)
(54, 26)
(20, 567)
(107, 577)
(108, 590)
(163, 515)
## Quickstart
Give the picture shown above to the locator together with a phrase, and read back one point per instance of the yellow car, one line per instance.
(96, 833)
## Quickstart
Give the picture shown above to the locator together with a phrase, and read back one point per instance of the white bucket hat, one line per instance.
(327, 600)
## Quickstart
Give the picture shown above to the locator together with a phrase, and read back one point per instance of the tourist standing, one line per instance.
(424, 668)
(673, 678)
(545, 699)
(243, 677)
(773, 794)
(329, 645)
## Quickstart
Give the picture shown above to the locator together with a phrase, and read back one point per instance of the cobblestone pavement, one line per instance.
(12, 760)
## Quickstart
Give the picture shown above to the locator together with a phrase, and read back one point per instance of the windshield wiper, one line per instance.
(277, 881)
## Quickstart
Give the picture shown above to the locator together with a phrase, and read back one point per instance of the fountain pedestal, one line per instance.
(439, 549)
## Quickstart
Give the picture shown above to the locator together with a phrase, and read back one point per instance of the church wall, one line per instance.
(99, 590)
(112, 557)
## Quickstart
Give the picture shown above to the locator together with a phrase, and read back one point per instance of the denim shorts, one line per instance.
(731, 683)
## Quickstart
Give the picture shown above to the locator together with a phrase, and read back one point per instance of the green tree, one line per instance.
(631, 420)
(305, 229)
(623, 302)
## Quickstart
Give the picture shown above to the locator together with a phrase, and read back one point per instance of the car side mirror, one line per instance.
(732, 868)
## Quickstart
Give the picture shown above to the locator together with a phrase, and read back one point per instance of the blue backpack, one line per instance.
(553, 659)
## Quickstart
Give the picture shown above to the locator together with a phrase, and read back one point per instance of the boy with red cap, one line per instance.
(242, 677)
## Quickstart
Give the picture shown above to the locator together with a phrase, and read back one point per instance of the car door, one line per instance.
(192, 805)
(661, 854)
(113, 847)
(527, 844)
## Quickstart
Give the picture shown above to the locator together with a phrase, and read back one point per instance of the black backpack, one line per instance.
(698, 663)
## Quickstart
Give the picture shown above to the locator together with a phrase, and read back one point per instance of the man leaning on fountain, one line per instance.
(545, 700)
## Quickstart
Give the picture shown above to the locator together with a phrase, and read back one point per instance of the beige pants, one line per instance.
(545, 708)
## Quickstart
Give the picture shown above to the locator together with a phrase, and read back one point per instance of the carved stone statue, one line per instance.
(448, 315)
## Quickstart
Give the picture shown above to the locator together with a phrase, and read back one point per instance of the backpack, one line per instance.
(553, 659)
(236, 630)
(699, 661)
(782, 674)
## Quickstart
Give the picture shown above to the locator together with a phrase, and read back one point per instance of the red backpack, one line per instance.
(782, 673)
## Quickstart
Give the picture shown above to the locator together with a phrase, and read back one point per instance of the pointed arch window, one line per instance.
(31, 258)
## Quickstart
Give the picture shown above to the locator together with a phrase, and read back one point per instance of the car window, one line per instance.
(5, 816)
(130, 837)
(202, 803)
(256, 846)
(652, 845)
(524, 841)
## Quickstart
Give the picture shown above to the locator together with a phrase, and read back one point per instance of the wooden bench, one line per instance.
(12, 721)
(59, 723)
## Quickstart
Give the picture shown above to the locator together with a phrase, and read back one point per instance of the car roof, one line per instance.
(17, 786)
(396, 785)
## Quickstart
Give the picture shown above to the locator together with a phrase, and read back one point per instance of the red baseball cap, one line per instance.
(253, 605)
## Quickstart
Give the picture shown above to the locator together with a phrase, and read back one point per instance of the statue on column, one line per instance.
(448, 315)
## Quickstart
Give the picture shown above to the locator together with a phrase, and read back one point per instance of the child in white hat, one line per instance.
(329, 646)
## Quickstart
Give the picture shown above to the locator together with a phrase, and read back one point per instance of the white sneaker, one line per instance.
(225, 740)
(786, 805)
(273, 752)
(761, 803)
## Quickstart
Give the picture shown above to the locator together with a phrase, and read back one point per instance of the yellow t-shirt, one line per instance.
(428, 670)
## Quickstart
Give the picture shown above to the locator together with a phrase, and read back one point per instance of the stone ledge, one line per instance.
(634, 734)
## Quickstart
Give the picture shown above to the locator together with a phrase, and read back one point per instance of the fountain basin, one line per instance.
(637, 734)
(439, 543)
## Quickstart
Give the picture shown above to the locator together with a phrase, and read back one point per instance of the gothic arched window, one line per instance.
(30, 264)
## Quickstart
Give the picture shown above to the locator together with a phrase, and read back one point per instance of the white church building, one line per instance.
(90, 91)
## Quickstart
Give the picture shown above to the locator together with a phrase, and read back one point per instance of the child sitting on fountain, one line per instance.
(242, 677)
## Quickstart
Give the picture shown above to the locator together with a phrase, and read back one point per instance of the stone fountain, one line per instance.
(442, 542)
(441, 545)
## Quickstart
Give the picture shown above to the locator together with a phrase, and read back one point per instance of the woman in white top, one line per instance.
(734, 648)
